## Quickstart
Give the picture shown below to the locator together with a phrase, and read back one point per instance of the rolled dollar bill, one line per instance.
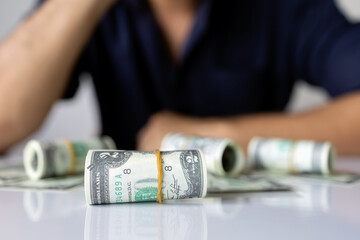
(223, 156)
(61, 157)
(289, 156)
(131, 176)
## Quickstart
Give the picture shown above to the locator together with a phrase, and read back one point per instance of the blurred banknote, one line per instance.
(245, 183)
(342, 178)
(60, 183)
(12, 174)
(288, 156)
(223, 156)
(14, 177)
(60, 157)
(346, 178)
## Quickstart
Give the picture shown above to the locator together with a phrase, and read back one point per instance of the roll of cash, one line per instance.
(61, 157)
(289, 156)
(131, 176)
(223, 156)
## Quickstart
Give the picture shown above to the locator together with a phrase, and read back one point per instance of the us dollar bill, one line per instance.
(132, 176)
(14, 177)
(283, 155)
(347, 178)
(58, 183)
(245, 183)
(223, 156)
(12, 174)
(61, 157)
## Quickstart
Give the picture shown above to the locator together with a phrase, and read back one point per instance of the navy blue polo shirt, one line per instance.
(241, 57)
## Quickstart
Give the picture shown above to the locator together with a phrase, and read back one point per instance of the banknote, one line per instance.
(58, 183)
(60, 157)
(333, 178)
(283, 155)
(132, 176)
(14, 177)
(346, 178)
(245, 183)
(12, 174)
(223, 156)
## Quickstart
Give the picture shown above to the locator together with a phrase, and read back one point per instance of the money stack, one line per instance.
(223, 156)
(60, 158)
(132, 176)
(289, 156)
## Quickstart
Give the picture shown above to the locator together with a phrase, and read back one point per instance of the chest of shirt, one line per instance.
(225, 67)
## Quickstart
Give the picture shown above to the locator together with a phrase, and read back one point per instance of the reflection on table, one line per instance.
(146, 221)
(40, 205)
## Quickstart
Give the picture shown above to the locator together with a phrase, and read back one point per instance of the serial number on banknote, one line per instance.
(118, 189)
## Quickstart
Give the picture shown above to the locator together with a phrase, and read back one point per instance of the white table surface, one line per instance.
(316, 210)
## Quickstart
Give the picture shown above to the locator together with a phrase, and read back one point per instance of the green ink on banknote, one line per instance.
(80, 149)
(118, 190)
(146, 194)
(285, 146)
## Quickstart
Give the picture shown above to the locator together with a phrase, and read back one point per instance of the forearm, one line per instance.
(338, 122)
(36, 62)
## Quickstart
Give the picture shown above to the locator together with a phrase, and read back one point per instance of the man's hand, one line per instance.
(338, 122)
(162, 123)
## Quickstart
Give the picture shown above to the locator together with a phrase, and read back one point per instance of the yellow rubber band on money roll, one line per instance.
(160, 175)
(72, 156)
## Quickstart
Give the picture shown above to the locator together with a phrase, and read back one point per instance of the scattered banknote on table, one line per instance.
(245, 183)
(223, 156)
(340, 178)
(60, 157)
(12, 174)
(132, 176)
(346, 178)
(294, 157)
(59, 183)
(14, 177)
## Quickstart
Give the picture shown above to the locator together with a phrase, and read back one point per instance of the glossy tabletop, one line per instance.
(314, 210)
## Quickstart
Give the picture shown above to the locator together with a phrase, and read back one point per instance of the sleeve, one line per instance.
(326, 47)
(81, 66)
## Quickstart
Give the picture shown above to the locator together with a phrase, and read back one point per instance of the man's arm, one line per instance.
(324, 49)
(36, 62)
(338, 122)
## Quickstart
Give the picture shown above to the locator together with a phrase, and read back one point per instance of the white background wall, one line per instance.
(78, 118)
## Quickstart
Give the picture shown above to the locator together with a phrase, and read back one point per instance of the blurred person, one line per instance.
(204, 67)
